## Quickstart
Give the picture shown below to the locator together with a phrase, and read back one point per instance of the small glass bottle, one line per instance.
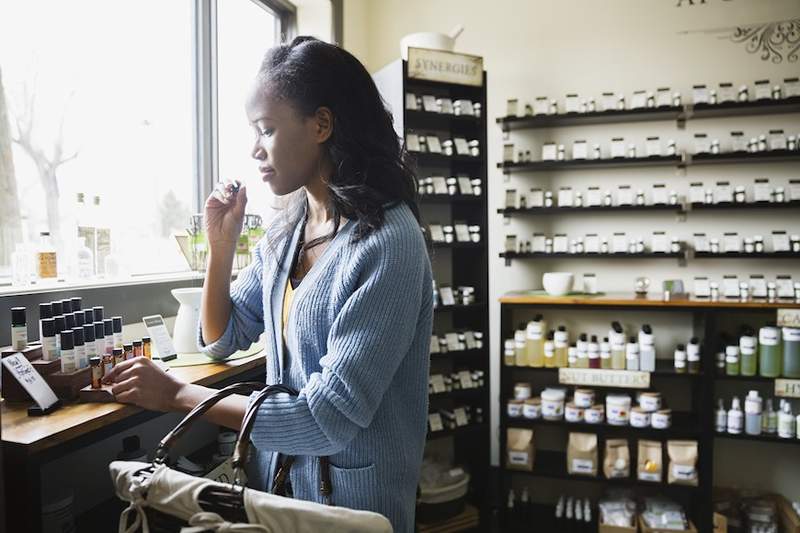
(97, 372)
(561, 344)
(108, 362)
(693, 355)
(721, 424)
(509, 357)
(632, 354)
(46, 262)
(127, 353)
(770, 353)
(735, 417)
(520, 337)
(594, 353)
(550, 351)
(605, 354)
(753, 408)
(137, 349)
(680, 359)
(19, 328)
(786, 428)
(617, 338)
(748, 346)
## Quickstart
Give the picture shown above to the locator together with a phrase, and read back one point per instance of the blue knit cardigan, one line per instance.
(357, 349)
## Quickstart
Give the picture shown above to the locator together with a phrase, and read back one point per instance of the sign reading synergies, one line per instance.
(446, 67)
(628, 379)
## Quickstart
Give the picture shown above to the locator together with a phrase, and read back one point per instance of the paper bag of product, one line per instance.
(617, 462)
(520, 449)
(650, 462)
(682, 462)
(582, 454)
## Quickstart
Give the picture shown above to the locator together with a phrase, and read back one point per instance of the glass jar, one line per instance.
(749, 245)
(474, 148)
(447, 147)
(452, 186)
(758, 242)
(448, 234)
(477, 189)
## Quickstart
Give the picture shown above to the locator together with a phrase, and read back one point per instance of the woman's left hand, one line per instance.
(140, 381)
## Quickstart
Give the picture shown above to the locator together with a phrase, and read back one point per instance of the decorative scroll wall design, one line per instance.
(773, 41)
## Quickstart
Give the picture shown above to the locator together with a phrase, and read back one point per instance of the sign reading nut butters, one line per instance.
(628, 379)
(445, 67)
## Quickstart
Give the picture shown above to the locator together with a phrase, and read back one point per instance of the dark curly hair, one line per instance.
(370, 166)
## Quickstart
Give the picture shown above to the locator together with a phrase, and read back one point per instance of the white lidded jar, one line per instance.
(753, 409)
(553, 404)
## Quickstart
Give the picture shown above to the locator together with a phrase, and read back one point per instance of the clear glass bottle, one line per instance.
(753, 408)
(520, 336)
(735, 417)
(508, 353)
(605, 354)
(550, 351)
(791, 353)
(632, 354)
(732, 360)
(85, 260)
(721, 424)
(617, 339)
(786, 421)
(680, 359)
(693, 355)
(647, 349)
(534, 343)
(46, 261)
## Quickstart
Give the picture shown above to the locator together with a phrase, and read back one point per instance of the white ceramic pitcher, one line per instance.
(185, 335)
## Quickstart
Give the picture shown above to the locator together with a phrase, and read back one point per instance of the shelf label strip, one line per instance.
(627, 379)
(787, 388)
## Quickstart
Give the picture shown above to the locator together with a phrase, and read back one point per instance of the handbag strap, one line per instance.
(199, 410)
(243, 444)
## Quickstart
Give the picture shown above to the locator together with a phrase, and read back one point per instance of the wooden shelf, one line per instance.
(553, 465)
(690, 112)
(747, 379)
(629, 300)
(758, 438)
(416, 120)
(684, 427)
(743, 255)
(458, 432)
(617, 162)
(460, 353)
(664, 369)
(461, 394)
(564, 255)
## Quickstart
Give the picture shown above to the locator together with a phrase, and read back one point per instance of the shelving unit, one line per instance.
(654, 208)
(562, 255)
(455, 264)
(709, 318)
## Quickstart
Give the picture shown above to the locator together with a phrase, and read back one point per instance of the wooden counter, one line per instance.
(37, 433)
(29, 442)
(630, 300)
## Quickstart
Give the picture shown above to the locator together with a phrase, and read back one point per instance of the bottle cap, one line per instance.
(45, 310)
(18, 316)
(48, 327)
(58, 309)
(76, 302)
(98, 313)
(66, 305)
(79, 318)
(117, 323)
(69, 319)
(61, 323)
(88, 316)
(88, 333)
(108, 326)
(137, 343)
(145, 339)
(77, 334)
(67, 340)
(117, 351)
(99, 330)
(94, 361)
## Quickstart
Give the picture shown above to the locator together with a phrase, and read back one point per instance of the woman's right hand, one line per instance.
(224, 216)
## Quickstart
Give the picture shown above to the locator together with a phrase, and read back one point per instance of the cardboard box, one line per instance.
(788, 518)
(603, 528)
(644, 529)
(720, 523)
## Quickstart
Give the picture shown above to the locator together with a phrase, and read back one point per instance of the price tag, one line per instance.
(31, 380)
(452, 342)
(536, 198)
(446, 293)
(465, 377)
(594, 197)
(437, 384)
(560, 244)
(619, 243)
(439, 185)
(758, 287)
(435, 422)
(465, 185)
(461, 417)
(434, 344)
(462, 148)
(162, 342)
(469, 340)
(538, 245)
(592, 244)
(565, 197)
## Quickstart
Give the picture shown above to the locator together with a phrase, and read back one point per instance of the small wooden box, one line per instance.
(101, 395)
(46, 367)
(14, 392)
(67, 386)
(33, 351)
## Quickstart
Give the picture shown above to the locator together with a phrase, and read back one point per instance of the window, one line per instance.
(100, 101)
(109, 87)
(245, 30)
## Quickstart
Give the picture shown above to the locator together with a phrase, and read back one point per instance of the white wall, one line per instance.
(555, 47)
(314, 18)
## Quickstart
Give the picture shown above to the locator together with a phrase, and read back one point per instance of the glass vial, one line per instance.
(19, 328)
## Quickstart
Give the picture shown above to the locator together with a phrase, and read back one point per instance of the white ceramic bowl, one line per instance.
(557, 283)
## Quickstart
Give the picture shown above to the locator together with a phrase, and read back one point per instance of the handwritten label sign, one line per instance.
(628, 379)
(787, 388)
(446, 67)
(30, 379)
(789, 318)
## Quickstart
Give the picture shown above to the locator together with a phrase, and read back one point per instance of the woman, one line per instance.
(340, 283)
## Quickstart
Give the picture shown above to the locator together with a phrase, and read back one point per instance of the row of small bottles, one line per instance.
(531, 347)
(571, 515)
(774, 353)
(758, 417)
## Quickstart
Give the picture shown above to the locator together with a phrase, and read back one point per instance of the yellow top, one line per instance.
(288, 297)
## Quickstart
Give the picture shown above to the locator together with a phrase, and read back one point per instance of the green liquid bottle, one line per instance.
(770, 356)
(791, 352)
(748, 350)
(732, 360)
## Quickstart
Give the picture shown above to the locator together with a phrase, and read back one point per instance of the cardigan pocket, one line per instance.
(355, 488)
